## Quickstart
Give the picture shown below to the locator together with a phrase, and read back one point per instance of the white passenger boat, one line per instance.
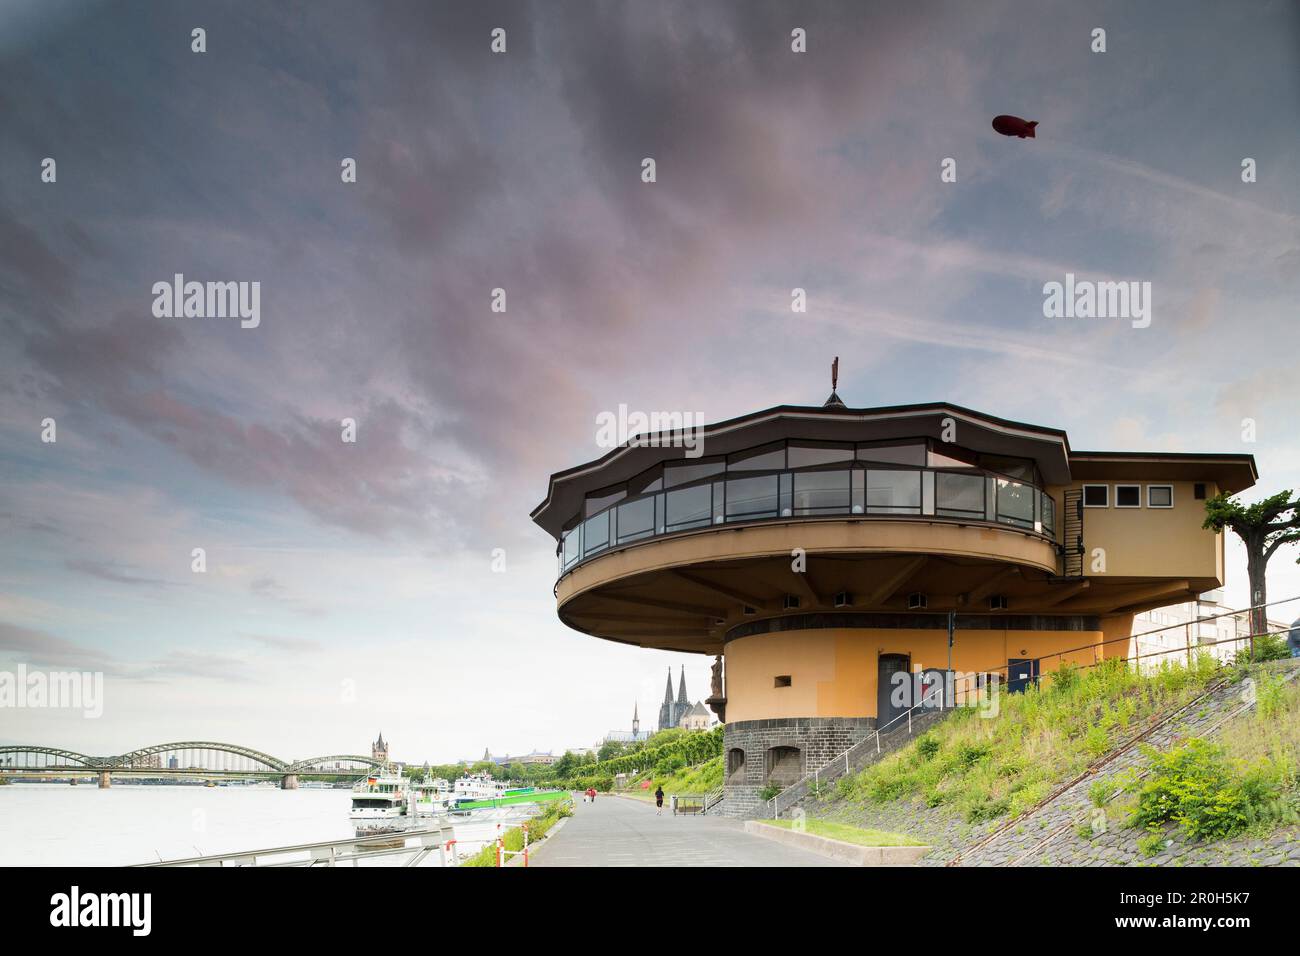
(431, 797)
(478, 786)
(379, 803)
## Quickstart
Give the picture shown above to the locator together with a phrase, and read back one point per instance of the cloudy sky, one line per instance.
(349, 587)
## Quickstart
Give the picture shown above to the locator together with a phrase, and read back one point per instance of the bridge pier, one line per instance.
(105, 781)
(289, 781)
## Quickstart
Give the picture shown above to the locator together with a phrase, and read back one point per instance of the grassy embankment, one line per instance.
(987, 766)
(862, 836)
(1246, 780)
(513, 838)
(697, 780)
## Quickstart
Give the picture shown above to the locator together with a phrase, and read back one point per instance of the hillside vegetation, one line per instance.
(681, 750)
(987, 766)
(697, 780)
(1246, 779)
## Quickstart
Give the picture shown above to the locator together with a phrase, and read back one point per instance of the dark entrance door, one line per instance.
(893, 695)
(1020, 672)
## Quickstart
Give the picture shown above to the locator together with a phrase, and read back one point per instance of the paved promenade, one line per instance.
(615, 831)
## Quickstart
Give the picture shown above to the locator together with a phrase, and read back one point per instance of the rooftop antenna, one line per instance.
(834, 401)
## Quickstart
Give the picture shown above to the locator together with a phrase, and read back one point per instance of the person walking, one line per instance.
(659, 800)
(1293, 638)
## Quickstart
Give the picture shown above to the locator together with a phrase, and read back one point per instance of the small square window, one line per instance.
(1096, 496)
(782, 681)
(1160, 496)
(1128, 496)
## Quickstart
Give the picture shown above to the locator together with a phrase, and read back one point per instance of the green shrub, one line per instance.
(1096, 741)
(1065, 678)
(1268, 647)
(1151, 844)
(968, 755)
(987, 808)
(768, 792)
(1195, 786)
(670, 764)
(513, 839)
(1025, 798)
(1270, 696)
(927, 745)
(1099, 792)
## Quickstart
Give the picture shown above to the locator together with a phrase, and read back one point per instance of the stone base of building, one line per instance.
(777, 752)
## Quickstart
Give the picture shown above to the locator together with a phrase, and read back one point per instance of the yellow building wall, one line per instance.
(833, 670)
(1153, 542)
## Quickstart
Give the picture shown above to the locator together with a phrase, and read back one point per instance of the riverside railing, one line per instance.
(427, 840)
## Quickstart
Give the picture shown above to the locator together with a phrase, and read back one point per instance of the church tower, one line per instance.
(683, 703)
(636, 723)
(379, 749)
(666, 708)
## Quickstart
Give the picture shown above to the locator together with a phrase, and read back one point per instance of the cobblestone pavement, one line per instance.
(1067, 816)
(618, 832)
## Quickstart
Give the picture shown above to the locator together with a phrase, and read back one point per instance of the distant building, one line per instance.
(672, 711)
(698, 717)
(628, 736)
(1178, 632)
(536, 757)
(379, 749)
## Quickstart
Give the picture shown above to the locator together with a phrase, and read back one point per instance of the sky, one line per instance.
(350, 587)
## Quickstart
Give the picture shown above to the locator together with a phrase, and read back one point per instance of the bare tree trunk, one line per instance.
(1255, 567)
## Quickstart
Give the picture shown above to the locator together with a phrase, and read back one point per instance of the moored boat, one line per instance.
(379, 803)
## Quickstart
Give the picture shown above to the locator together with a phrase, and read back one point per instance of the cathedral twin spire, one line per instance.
(672, 711)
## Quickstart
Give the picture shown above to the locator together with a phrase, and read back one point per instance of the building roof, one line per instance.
(1048, 448)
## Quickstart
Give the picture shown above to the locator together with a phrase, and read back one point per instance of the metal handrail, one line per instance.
(328, 852)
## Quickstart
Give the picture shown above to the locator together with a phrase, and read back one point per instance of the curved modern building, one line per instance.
(818, 551)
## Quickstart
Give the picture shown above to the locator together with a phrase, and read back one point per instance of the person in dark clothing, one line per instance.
(659, 800)
(1293, 638)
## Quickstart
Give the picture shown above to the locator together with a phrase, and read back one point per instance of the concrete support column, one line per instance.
(289, 781)
(105, 781)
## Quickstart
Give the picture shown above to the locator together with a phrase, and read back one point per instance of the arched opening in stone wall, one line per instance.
(784, 766)
(735, 765)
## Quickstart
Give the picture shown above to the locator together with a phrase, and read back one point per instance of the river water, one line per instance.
(46, 824)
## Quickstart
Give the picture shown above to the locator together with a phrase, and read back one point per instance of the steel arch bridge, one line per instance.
(200, 756)
(10, 757)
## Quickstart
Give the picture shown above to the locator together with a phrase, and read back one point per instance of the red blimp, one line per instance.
(1014, 126)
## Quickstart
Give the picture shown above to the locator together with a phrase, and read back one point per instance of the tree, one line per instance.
(1263, 528)
(610, 749)
(564, 766)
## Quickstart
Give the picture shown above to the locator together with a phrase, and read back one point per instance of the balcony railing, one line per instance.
(792, 494)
